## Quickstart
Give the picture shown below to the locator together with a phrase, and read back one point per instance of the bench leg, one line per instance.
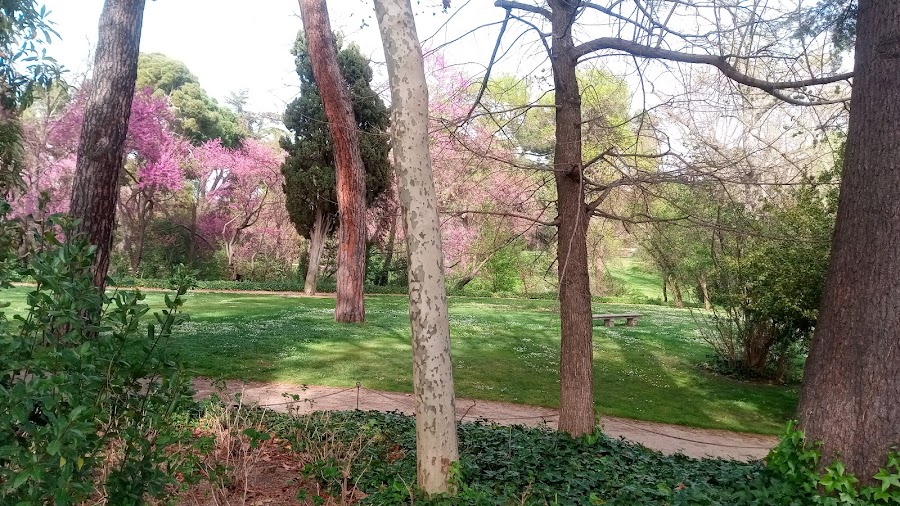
(609, 322)
(631, 321)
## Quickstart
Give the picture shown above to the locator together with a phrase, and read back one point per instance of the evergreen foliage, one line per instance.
(309, 170)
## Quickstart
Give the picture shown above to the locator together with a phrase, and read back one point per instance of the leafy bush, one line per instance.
(797, 462)
(89, 402)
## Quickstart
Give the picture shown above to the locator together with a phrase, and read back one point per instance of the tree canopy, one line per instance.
(198, 117)
(309, 170)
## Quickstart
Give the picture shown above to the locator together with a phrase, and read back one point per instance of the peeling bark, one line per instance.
(436, 438)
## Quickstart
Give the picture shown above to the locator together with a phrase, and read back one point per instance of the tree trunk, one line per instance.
(851, 387)
(317, 235)
(385, 277)
(665, 287)
(598, 280)
(192, 244)
(576, 361)
(758, 340)
(351, 174)
(436, 439)
(704, 289)
(101, 147)
(676, 292)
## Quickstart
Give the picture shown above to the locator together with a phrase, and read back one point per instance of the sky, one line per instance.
(231, 46)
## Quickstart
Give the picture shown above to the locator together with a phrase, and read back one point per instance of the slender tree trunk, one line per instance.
(665, 287)
(598, 280)
(351, 174)
(704, 289)
(436, 439)
(385, 277)
(139, 236)
(676, 291)
(851, 387)
(576, 371)
(192, 245)
(320, 229)
(101, 147)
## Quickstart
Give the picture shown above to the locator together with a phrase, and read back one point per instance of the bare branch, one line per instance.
(487, 73)
(524, 7)
(719, 62)
(504, 214)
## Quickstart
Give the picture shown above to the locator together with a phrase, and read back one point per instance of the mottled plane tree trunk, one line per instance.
(436, 439)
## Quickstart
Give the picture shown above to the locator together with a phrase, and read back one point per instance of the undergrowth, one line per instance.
(502, 465)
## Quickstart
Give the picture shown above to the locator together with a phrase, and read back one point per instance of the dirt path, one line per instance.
(665, 438)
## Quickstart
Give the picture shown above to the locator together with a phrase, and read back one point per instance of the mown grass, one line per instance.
(638, 278)
(503, 349)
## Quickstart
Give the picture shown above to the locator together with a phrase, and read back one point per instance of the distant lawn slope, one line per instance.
(503, 349)
(636, 276)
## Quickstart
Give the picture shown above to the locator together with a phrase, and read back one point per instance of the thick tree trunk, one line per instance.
(851, 387)
(351, 174)
(576, 361)
(436, 439)
(101, 147)
(317, 235)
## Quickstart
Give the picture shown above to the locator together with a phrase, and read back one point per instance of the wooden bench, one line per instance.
(608, 319)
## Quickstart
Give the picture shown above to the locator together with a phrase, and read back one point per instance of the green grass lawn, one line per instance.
(503, 349)
(639, 278)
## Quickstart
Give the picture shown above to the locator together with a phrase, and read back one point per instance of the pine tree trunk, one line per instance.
(576, 368)
(851, 387)
(101, 147)
(351, 175)
(317, 235)
(436, 438)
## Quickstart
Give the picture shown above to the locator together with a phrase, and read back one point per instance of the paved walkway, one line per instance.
(665, 438)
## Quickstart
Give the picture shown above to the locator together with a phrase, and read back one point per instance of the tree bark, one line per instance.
(101, 147)
(351, 175)
(676, 291)
(436, 438)
(385, 277)
(576, 361)
(320, 230)
(850, 398)
(704, 289)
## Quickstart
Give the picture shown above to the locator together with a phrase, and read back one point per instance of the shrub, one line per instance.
(89, 401)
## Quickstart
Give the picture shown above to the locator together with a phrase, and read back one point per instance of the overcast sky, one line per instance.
(230, 45)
